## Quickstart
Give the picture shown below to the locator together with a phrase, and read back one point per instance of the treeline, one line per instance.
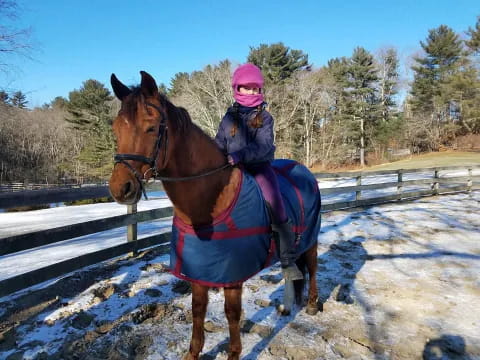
(356, 108)
(68, 140)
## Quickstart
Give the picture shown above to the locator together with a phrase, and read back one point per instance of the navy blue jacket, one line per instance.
(249, 145)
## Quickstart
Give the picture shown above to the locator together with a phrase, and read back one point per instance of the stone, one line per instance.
(104, 292)
(248, 326)
(182, 287)
(153, 292)
(262, 303)
(210, 326)
(82, 320)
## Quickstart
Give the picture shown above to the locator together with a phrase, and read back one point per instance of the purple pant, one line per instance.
(267, 180)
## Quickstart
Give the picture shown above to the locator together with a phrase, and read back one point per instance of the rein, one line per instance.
(152, 160)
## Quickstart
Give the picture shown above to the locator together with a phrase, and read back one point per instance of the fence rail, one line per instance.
(16, 243)
(20, 186)
(51, 196)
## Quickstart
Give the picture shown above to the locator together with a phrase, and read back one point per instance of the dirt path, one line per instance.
(396, 281)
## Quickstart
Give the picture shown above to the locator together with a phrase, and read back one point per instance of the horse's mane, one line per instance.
(182, 121)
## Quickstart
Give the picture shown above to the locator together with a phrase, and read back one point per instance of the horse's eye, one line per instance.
(151, 129)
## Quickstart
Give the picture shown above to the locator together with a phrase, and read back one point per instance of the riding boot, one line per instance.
(285, 241)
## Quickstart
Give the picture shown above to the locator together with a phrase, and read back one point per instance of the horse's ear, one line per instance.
(120, 90)
(148, 85)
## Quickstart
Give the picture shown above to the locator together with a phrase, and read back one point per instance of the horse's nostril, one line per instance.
(127, 188)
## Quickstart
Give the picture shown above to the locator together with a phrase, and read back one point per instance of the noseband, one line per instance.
(152, 161)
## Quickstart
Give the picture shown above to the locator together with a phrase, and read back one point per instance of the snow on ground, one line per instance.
(379, 179)
(18, 223)
(397, 281)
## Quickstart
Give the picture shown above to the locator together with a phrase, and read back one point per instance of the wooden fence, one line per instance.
(432, 179)
(18, 186)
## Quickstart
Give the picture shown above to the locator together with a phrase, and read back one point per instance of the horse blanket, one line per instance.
(238, 243)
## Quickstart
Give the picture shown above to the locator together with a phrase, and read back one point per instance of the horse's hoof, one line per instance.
(233, 356)
(312, 310)
(189, 356)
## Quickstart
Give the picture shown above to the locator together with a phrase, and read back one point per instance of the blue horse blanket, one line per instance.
(238, 243)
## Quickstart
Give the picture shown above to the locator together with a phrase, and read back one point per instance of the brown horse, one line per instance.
(156, 138)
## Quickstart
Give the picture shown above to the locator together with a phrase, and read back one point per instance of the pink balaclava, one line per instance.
(248, 74)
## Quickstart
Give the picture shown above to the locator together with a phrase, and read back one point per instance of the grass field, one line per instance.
(435, 159)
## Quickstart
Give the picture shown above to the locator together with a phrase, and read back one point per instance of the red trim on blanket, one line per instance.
(299, 229)
(230, 223)
(221, 235)
(213, 284)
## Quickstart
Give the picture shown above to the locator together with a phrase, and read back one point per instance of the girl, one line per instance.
(245, 135)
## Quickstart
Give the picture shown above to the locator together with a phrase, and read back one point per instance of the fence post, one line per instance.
(435, 183)
(358, 193)
(400, 185)
(469, 181)
(132, 228)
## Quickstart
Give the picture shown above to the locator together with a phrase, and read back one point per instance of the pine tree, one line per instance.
(336, 79)
(162, 88)
(474, 42)
(59, 103)
(390, 122)
(177, 83)
(363, 106)
(4, 97)
(337, 68)
(388, 81)
(90, 113)
(277, 61)
(462, 92)
(19, 100)
(443, 50)
(466, 84)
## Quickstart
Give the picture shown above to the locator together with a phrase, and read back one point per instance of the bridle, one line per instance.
(152, 161)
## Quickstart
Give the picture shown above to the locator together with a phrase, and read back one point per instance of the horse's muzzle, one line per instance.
(124, 189)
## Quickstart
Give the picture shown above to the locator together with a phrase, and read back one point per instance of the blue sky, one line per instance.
(80, 40)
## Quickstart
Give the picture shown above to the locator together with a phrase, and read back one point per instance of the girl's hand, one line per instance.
(232, 160)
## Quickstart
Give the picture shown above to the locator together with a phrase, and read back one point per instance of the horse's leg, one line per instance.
(233, 310)
(199, 308)
(311, 262)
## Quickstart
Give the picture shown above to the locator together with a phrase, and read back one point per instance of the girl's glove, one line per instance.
(232, 159)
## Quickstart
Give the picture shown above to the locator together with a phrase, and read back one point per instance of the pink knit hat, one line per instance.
(247, 74)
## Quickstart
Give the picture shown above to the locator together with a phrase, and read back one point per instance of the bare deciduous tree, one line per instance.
(14, 40)
(206, 95)
(42, 151)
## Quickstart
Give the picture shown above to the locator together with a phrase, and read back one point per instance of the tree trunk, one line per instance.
(362, 143)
